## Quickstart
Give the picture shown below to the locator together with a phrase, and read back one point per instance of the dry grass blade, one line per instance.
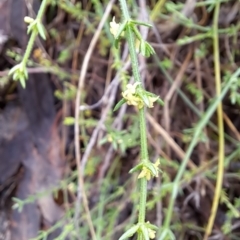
(165, 135)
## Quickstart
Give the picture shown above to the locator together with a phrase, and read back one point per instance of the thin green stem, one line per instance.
(203, 122)
(143, 200)
(144, 158)
(19, 71)
(131, 44)
(124, 9)
(220, 125)
(34, 33)
(42, 9)
(29, 47)
(189, 103)
(143, 133)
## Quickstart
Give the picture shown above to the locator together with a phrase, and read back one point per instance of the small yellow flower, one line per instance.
(152, 233)
(152, 100)
(137, 45)
(147, 173)
(128, 94)
(109, 138)
(28, 19)
(135, 101)
(140, 103)
(132, 100)
(156, 164)
(131, 89)
(114, 27)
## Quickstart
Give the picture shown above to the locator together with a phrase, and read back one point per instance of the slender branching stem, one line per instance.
(34, 33)
(142, 117)
(220, 124)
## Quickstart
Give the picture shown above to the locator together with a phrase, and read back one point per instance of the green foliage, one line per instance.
(189, 133)
(91, 166)
(167, 63)
(124, 139)
(68, 121)
(136, 95)
(107, 210)
(234, 89)
(74, 10)
(201, 51)
(118, 31)
(197, 93)
(232, 212)
(35, 27)
(68, 94)
(64, 56)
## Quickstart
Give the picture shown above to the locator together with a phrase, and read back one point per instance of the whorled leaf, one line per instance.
(136, 168)
(145, 232)
(119, 104)
(130, 232)
(41, 30)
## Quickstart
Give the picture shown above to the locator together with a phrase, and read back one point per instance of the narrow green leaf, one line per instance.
(136, 168)
(151, 226)
(69, 121)
(25, 72)
(151, 168)
(120, 31)
(145, 99)
(22, 81)
(160, 101)
(119, 104)
(31, 26)
(149, 50)
(116, 41)
(16, 76)
(141, 23)
(143, 48)
(171, 235)
(130, 232)
(41, 30)
(145, 232)
(103, 141)
(14, 69)
(164, 234)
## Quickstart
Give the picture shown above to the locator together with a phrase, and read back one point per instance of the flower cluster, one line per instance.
(147, 173)
(148, 169)
(117, 30)
(147, 230)
(138, 98)
(114, 27)
(130, 95)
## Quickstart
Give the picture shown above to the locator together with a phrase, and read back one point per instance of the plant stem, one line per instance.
(124, 9)
(202, 123)
(29, 47)
(42, 9)
(34, 34)
(144, 158)
(131, 43)
(220, 124)
(142, 117)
